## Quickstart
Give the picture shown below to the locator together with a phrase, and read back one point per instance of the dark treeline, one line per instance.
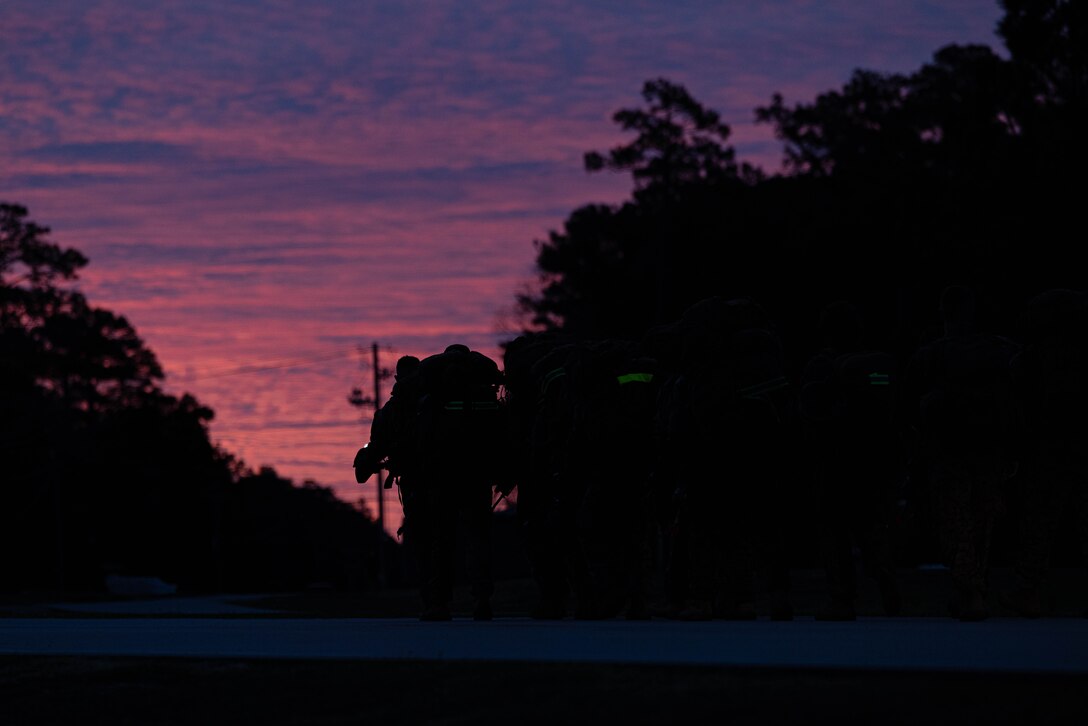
(963, 178)
(103, 473)
(968, 171)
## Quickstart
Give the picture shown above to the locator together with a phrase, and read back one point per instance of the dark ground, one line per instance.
(925, 593)
(105, 690)
(114, 691)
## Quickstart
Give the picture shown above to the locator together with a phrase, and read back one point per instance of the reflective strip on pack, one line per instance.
(879, 379)
(635, 378)
(557, 373)
(759, 389)
(472, 405)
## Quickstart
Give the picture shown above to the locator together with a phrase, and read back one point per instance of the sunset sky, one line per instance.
(262, 187)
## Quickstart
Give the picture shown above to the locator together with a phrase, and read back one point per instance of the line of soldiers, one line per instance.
(683, 451)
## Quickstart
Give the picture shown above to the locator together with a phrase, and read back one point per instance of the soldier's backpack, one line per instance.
(459, 414)
(864, 389)
(970, 402)
(862, 393)
(1053, 373)
(1057, 359)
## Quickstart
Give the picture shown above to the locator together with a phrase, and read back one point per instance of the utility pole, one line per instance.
(358, 399)
(381, 489)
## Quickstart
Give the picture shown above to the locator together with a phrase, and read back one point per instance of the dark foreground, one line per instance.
(103, 689)
(51, 690)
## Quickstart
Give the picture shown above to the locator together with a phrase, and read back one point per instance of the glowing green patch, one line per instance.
(635, 378)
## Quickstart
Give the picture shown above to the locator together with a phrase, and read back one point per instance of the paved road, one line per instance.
(1041, 646)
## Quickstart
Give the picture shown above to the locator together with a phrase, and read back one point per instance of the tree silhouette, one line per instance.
(106, 473)
(956, 117)
(1048, 41)
(967, 170)
(679, 141)
(614, 271)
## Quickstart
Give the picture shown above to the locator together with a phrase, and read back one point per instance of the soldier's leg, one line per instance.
(872, 527)
(609, 535)
(576, 565)
(544, 548)
(741, 522)
(988, 499)
(628, 550)
(677, 556)
(1042, 501)
(476, 514)
(640, 563)
(836, 546)
(777, 570)
(1040, 505)
(777, 503)
(702, 537)
(1079, 496)
(409, 529)
(735, 597)
(953, 480)
(598, 531)
(549, 562)
(436, 528)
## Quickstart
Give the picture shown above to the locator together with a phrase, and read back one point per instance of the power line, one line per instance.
(282, 364)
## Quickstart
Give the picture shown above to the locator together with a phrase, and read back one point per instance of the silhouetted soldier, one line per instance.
(390, 431)
(847, 402)
(615, 428)
(391, 441)
(735, 396)
(458, 445)
(1051, 376)
(960, 393)
(535, 402)
(763, 423)
(668, 486)
(558, 460)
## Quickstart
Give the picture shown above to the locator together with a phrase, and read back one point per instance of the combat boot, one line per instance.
(781, 609)
(636, 609)
(970, 606)
(549, 610)
(889, 594)
(736, 611)
(483, 611)
(696, 610)
(436, 613)
(837, 611)
(1027, 602)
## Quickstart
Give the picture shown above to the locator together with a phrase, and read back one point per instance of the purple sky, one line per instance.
(266, 183)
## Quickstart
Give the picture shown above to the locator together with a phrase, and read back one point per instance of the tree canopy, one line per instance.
(967, 170)
(106, 473)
